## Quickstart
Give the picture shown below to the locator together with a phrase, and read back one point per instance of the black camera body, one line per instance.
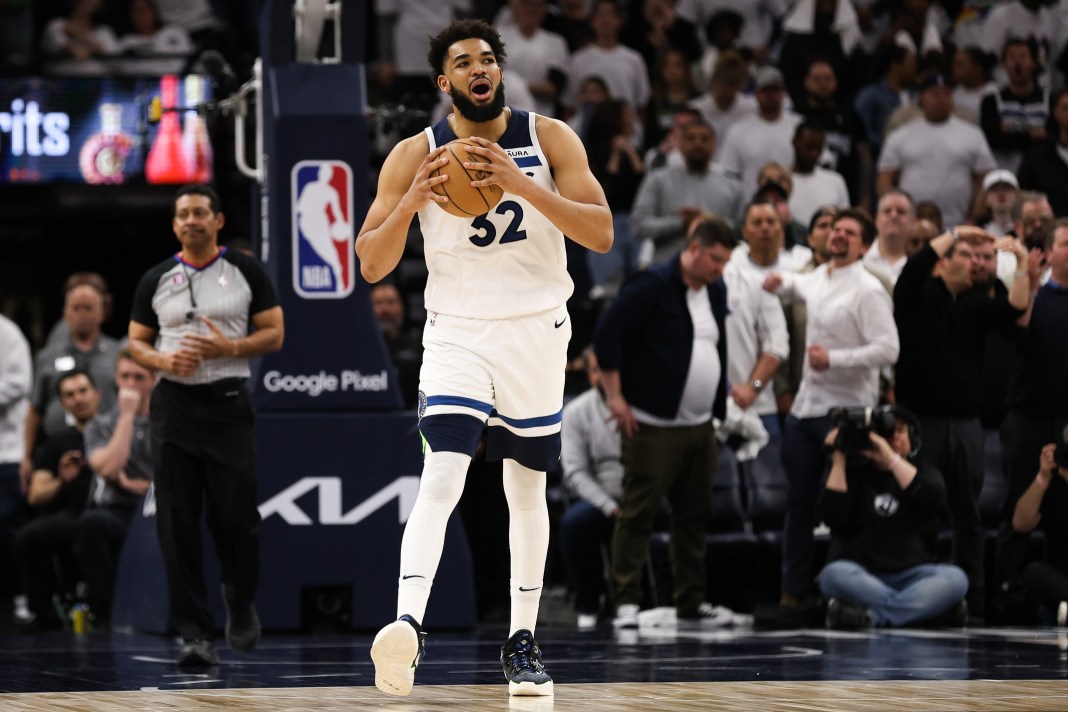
(855, 423)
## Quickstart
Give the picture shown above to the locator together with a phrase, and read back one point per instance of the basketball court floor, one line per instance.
(650, 669)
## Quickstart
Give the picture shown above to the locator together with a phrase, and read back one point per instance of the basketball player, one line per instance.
(496, 333)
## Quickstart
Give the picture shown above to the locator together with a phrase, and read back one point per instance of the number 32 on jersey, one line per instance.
(488, 231)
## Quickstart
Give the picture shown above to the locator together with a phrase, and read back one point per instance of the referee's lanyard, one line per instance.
(191, 314)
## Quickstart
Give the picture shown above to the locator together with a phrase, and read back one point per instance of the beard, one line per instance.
(472, 111)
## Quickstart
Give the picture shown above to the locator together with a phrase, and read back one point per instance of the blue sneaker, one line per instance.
(521, 660)
(396, 652)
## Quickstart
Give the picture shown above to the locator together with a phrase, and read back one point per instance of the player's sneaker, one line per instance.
(396, 652)
(521, 660)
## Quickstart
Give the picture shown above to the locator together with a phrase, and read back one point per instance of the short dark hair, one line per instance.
(457, 31)
(810, 125)
(867, 225)
(200, 189)
(90, 279)
(73, 373)
(760, 201)
(714, 230)
(820, 213)
(1030, 44)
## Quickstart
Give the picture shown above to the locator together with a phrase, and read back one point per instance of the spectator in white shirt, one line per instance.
(724, 104)
(851, 335)
(894, 220)
(766, 136)
(937, 156)
(622, 68)
(540, 57)
(813, 186)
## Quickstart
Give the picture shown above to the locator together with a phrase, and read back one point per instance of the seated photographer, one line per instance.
(1044, 503)
(883, 505)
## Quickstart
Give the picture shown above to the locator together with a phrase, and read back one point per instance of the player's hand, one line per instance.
(620, 412)
(501, 171)
(214, 344)
(421, 191)
(818, 358)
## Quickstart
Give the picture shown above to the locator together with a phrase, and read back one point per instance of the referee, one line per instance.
(197, 319)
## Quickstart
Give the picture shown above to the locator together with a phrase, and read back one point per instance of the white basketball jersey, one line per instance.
(509, 262)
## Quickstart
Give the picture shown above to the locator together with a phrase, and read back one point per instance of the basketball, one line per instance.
(464, 200)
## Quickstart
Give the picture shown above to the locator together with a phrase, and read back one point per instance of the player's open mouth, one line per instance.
(481, 89)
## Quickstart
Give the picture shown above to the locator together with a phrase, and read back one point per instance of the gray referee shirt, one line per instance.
(173, 295)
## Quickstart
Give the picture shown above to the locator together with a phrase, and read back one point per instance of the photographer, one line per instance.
(1044, 500)
(882, 505)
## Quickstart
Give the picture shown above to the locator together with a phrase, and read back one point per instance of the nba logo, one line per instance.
(323, 259)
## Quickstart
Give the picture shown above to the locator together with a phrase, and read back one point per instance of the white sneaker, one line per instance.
(396, 652)
(22, 611)
(587, 621)
(709, 617)
(1062, 614)
(626, 616)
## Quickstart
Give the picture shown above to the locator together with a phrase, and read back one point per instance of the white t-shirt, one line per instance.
(744, 106)
(814, 190)
(938, 162)
(533, 58)
(415, 20)
(754, 141)
(702, 380)
(622, 69)
(874, 259)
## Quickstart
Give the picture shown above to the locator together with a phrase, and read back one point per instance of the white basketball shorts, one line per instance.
(507, 374)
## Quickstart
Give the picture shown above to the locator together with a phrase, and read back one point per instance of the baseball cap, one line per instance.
(1000, 176)
(769, 77)
(936, 80)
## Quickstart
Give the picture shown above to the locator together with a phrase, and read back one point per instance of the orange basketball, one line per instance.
(465, 201)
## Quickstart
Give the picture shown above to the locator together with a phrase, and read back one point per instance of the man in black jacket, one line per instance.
(943, 323)
(884, 514)
(662, 346)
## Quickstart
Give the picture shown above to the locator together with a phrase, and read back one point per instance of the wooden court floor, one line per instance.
(770, 696)
(652, 669)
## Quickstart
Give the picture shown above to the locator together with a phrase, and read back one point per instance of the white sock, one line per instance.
(528, 538)
(440, 488)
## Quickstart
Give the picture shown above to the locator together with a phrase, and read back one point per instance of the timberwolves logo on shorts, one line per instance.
(323, 257)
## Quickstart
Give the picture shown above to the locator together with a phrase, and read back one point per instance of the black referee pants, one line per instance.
(204, 451)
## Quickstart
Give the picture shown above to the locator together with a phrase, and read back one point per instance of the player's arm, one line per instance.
(404, 188)
(580, 209)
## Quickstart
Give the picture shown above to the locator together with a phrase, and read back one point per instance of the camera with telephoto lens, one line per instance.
(855, 423)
